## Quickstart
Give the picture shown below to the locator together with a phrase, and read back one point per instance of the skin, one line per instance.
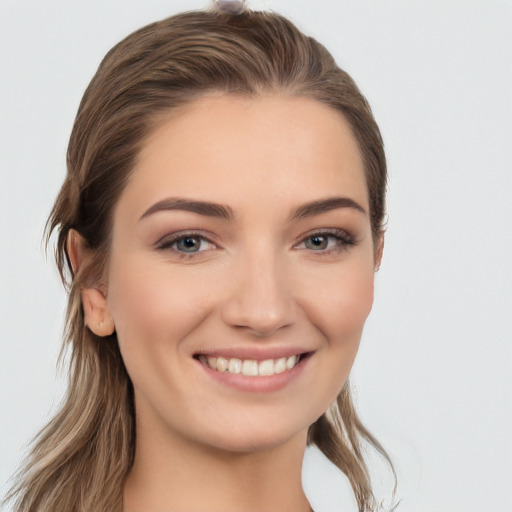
(256, 282)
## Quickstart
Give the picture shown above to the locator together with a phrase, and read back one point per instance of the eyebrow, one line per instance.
(324, 205)
(200, 207)
(210, 209)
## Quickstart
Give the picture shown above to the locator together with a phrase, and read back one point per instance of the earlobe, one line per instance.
(96, 311)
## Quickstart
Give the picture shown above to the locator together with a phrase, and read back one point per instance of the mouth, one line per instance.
(252, 367)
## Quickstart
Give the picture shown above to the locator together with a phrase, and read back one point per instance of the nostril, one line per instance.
(260, 303)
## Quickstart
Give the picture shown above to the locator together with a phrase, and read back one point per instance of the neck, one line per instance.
(177, 475)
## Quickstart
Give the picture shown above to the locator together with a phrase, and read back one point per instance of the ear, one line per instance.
(379, 250)
(96, 311)
(94, 301)
(75, 249)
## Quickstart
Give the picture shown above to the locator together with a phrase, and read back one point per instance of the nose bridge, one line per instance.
(261, 298)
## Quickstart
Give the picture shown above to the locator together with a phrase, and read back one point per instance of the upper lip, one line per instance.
(254, 353)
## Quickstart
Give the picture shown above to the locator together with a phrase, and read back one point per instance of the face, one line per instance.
(241, 270)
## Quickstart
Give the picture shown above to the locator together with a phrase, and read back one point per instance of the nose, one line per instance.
(261, 299)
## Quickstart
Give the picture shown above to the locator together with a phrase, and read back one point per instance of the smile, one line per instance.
(251, 367)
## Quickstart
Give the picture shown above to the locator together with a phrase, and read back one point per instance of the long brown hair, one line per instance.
(80, 460)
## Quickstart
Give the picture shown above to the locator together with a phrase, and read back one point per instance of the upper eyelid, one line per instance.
(336, 232)
(167, 245)
(170, 238)
(177, 235)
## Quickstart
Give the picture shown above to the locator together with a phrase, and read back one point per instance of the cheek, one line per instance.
(339, 311)
(151, 307)
(341, 302)
(352, 303)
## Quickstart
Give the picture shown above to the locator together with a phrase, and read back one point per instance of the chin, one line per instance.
(246, 446)
(259, 438)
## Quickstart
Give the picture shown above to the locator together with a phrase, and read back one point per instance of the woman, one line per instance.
(219, 229)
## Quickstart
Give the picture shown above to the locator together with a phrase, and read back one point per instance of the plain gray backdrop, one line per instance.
(433, 376)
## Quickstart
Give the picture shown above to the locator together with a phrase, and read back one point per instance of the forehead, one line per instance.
(273, 146)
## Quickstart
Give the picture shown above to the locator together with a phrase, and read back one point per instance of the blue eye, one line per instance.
(186, 243)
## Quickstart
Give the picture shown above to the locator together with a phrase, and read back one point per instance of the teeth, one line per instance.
(250, 367)
(235, 365)
(280, 365)
(266, 367)
(291, 362)
(222, 364)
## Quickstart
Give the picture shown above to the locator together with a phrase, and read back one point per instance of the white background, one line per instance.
(433, 377)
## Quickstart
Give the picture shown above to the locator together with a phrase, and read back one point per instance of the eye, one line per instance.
(190, 243)
(186, 243)
(327, 241)
(318, 242)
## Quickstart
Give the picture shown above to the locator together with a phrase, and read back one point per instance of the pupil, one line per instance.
(318, 242)
(188, 244)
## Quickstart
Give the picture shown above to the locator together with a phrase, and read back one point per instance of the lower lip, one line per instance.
(254, 384)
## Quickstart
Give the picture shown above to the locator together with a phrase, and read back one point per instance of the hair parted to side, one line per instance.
(80, 459)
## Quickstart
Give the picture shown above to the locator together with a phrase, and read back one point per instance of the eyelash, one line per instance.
(342, 240)
(167, 243)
